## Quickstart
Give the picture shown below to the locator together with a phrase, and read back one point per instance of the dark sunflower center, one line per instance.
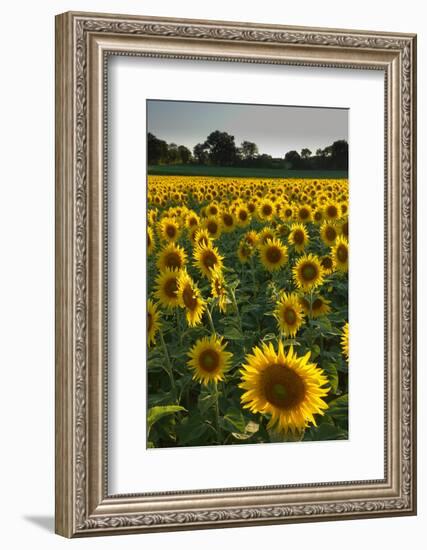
(228, 220)
(212, 228)
(171, 287)
(171, 231)
(289, 316)
(330, 233)
(209, 360)
(332, 211)
(326, 263)
(282, 386)
(342, 253)
(317, 304)
(190, 301)
(209, 259)
(288, 212)
(213, 210)
(243, 215)
(345, 229)
(274, 254)
(343, 208)
(149, 321)
(318, 216)
(298, 237)
(192, 222)
(267, 210)
(304, 213)
(251, 207)
(172, 259)
(309, 272)
(245, 251)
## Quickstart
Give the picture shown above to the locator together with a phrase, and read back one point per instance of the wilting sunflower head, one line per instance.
(251, 238)
(244, 251)
(285, 386)
(153, 322)
(273, 254)
(172, 256)
(207, 257)
(298, 237)
(344, 341)
(190, 299)
(169, 229)
(208, 360)
(339, 254)
(289, 314)
(219, 289)
(151, 242)
(329, 232)
(308, 272)
(167, 287)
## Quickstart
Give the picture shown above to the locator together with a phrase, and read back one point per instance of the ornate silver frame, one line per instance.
(83, 42)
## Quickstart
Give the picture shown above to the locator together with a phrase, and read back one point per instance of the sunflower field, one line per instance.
(247, 310)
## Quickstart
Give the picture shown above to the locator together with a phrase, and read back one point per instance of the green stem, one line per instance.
(168, 367)
(217, 425)
(209, 315)
(253, 274)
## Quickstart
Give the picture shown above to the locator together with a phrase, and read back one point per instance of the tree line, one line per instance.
(220, 149)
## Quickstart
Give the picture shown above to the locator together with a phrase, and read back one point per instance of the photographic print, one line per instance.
(247, 273)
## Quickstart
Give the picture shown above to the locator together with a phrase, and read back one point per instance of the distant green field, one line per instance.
(238, 172)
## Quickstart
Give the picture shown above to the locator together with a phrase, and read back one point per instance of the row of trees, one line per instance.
(220, 149)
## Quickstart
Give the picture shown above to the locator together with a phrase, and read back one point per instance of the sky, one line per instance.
(275, 129)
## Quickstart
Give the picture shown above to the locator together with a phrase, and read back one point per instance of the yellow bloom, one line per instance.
(298, 237)
(344, 341)
(153, 322)
(339, 254)
(289, 314)
(151, 242)
(273, 254)
(304, 213)
(308, 272)
(228, 221)
(169, 229)
(287, 387)
(218, 288)
(320, 306)
(329, 233)
(206, 258)
(332, 210)
(167, 287)
(190, 299)
(266, 210)
(209, 360)
(171, 255)
(242, 215)
(213, 226)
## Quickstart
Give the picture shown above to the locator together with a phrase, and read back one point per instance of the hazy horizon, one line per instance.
(276, 129)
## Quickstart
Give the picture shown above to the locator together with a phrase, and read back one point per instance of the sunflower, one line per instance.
(206, 258)
(190, 299)
(308, 272)
(327, 264)
(289, 314)
(244, 251)
(304, 213)
(339, 254)
(151, 242)
(266, 210)
(251, 238)
(328, 233)
(319, 307)
(285, 386)
(168, 229)
(242, 215)
(273, 254)
(192, 220)
(344, 228)
(266, 234)
(167, 287)
(332, 210)
(209, 360)
(228, 221)
(298, 236)
(287, 212)
(213, 226)
(218, 288)
(318, 215)
(171, 255)
(344, 341)
(201, 236)
(153, 322)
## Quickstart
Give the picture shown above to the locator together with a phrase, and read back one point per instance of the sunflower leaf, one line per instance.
(159, 411)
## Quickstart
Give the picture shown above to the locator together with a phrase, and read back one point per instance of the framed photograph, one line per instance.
(224, 357)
